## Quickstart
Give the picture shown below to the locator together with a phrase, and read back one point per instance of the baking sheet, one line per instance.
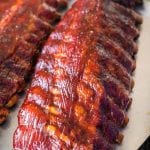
(138, 128)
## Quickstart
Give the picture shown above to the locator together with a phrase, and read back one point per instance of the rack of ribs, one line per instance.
(24, 27)
(79, 94)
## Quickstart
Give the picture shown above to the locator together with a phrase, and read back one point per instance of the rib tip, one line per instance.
(12, 101)
(126, 120)
(3, 114)
(120, 138)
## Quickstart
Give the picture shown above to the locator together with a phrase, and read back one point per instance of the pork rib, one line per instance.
(80, 92)
(23, 29)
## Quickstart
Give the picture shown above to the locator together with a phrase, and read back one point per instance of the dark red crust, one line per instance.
(130, 3)
(24, 27)
(5, 5)
(80, 92)
(28, 26)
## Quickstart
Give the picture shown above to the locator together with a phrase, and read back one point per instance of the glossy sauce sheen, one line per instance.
(5, 5)
(24, 27)
(80, 91)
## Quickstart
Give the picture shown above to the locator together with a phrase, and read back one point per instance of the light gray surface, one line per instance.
(139, 126)
(7, 129)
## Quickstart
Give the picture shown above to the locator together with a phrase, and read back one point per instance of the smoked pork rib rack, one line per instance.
(23, 29)
(80, 91)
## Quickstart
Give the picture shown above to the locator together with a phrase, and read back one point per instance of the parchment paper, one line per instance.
(138, 128)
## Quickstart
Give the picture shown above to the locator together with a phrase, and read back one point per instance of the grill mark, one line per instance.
(113, 112)
(40, 97)
(125, 42)
(59, 4)
(107, 127)
(38, 107)
(52, 3)
(117, 53)
(31, 119)
(123, 11)
(6, 84)
(48, 14)
(38, 136)
(106, 136)
(127, 27)
(40, 27)
(110, 130)
(18, 68)
(25, 53)
(115, 69)
(101, 143)
(7, 18)
(117, 72)
(108, 123)
(16, 65)
(31, 38)
(30, 107)
(116, 92)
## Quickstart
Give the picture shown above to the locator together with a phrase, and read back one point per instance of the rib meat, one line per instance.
(5, 5)
(23, 29)
(130, 3)
(80, 91)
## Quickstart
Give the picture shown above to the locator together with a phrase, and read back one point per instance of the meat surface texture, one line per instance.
(24, 26)
(5, 5)
(130, 3)
(79, 95)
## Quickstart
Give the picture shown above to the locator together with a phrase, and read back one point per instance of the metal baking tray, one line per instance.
(138, 128)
